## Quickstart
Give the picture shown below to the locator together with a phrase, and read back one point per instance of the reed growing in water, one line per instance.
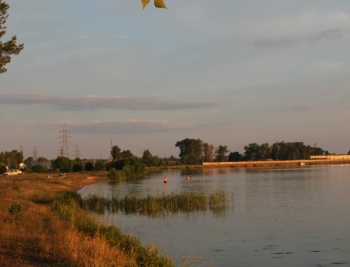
(173, 202)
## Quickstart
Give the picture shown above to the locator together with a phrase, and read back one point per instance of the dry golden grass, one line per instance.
(35, 236)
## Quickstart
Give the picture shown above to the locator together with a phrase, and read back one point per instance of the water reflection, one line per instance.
(279, 217)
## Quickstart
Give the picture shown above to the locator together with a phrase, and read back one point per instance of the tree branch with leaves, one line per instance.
(9, 48)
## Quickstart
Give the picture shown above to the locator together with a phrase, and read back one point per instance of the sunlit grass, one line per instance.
(42, 224)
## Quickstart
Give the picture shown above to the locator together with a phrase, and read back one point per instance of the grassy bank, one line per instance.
(42, 225)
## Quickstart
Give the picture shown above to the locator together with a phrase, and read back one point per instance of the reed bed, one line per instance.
(173, 202)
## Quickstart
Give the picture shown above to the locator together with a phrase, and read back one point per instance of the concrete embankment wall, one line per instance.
(271, 163)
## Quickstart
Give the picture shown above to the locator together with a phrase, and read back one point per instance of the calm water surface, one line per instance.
(279, 217)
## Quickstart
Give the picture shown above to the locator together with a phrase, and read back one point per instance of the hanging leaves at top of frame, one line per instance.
(157, 3)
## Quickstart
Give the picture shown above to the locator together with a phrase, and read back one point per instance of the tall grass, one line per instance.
(42, 224)
(173, 202)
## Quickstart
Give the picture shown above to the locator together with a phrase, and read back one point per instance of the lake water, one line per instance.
(279, 217)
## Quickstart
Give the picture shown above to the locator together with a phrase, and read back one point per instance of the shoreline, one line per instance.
(253, 164)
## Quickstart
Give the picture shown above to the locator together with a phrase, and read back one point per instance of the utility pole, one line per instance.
(64, 143)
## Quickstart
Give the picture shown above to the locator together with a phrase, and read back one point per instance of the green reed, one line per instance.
(151, 204)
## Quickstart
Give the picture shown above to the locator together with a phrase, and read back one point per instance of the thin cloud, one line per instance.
(271, 42)
(92, 102)
(305, 108)
(133, 126)
(327, 34)
(283, 42)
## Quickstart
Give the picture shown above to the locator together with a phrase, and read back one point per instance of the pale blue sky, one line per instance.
(228, 72)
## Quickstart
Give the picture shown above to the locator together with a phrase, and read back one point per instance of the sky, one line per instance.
(227, 72)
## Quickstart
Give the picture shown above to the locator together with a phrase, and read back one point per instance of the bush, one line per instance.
(116, 175)
(2, 168)
(89, 166)
(100, 166)
(77, 168)
(39, 168)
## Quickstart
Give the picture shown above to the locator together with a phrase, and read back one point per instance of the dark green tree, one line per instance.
(147, 158)
(39, 168)
(77, 165)
(221, 153)
(28, 161)
(2, 168)
(251, 152)
(235, 156)
(126, 154)
(100, 166)
(42, 159)
(63, 164)
(11, 158)
(190, 150)
(9, 48)
(89, 166)
(115, 152)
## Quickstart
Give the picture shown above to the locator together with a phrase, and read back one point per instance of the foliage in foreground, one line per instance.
(157, 3)
(10, 47)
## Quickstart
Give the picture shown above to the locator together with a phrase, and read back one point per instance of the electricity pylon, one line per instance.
(64, 143)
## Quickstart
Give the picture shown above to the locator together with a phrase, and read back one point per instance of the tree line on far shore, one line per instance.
(124, 163)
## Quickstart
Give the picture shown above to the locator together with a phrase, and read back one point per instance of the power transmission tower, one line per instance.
(77, 153)
(35, 154)
(64, 143)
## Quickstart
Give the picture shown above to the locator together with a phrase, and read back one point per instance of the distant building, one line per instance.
(331, 157)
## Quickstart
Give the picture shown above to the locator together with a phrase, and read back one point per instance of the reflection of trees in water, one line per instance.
(191, 171)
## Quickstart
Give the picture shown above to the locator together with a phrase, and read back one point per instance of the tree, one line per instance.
(126, 154)
(28, 161)
(157, 3)
(221, 153)
(252, 151)
(235, 156)
(89, 166)
(100, 166)
(2, 168)
(147, 158)
(11, 159)
(61, 163)
(39, 168)
(190, 150)
(115, 152)
(208, 152)
(10, 47)
(42, 159)
(77, 165)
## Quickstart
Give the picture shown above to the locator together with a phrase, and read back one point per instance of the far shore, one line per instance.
(255, 164)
